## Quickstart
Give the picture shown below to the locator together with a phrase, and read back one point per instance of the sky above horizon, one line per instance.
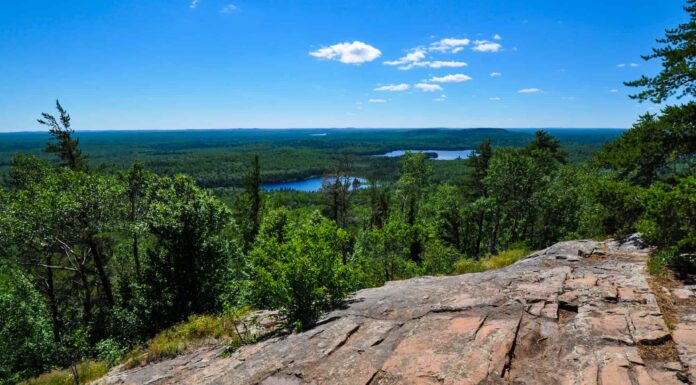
(175, 64)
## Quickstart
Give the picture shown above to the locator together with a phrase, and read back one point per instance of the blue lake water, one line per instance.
(307, 185)
(441, 154)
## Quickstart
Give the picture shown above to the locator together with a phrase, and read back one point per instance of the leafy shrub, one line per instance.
(109, 351)
(297, 266)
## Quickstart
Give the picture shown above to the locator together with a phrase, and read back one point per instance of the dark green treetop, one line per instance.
(678, 56)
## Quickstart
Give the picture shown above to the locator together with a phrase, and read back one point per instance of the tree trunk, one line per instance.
(52, 303)
(479, 237)
(136, 257)
(99, 263)
(87, 297)
(494, 234)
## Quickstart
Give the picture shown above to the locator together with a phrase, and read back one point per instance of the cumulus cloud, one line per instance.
(486, 46)
(350, 53)
(456, 78)
(393, 87)
(194, 4)
(377, 100)
(229, 8)
(497, 37)
(425, 87)
(529, 91)
(442, 98)
(449, 45)
(495, 74)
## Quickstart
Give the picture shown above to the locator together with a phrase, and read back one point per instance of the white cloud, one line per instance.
(494, 98)
(495, 74)
(425, 87)
(416, 55)
(486, 46)
(434, 64)
(229, 8)
(350, 53)
(529, 91)
(622, 65)
(377, 100)
(613, 90)
(634, 65)
(497, 37)
(194, 4)
(456, 78)
(449, 45)
(442, 98)
(446, 64)
(393, 87)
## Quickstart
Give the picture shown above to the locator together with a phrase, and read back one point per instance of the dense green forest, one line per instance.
(100, 253)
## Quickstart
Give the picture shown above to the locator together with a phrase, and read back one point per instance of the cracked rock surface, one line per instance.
(576, 313)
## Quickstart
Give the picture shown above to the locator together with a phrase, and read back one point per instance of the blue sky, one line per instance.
(156, 64)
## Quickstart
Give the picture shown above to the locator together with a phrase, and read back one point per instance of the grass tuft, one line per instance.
(176, 340)
(88, 371)
(503, 259)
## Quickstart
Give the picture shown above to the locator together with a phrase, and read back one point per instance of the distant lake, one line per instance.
(307, 185)
(441, 154)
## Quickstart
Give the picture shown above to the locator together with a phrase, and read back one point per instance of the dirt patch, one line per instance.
(664, 352)
(661, 287)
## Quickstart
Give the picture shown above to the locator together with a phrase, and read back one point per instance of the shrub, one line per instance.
(297, 266)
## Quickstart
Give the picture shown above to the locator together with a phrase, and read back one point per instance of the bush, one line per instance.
(109, 351)
(297, 266)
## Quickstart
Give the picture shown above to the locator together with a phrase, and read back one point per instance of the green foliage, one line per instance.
(383, 254)
(669, 217)
(678, 57)
(656, 146)
(297, 266)
(109, 351)
(63, 144)
(25, 328)
(192, 255)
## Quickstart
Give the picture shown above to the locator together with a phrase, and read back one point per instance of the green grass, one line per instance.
(197, 331)
(503, 259)
(88, 371)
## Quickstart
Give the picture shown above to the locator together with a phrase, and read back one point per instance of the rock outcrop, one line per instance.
(577, 313)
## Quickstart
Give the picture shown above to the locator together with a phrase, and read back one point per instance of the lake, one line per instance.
(441, 154)
(307, 185)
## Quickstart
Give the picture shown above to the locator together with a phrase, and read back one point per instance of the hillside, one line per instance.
(578, 312)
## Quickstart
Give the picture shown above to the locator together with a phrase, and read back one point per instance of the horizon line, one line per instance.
(318, 129)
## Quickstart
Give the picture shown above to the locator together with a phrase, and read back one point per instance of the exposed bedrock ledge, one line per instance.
(575, 313)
